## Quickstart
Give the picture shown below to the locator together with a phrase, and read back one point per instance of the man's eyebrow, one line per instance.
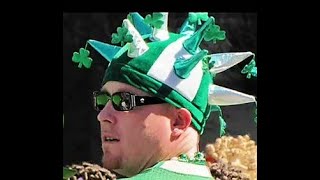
(124, 89)
(119, 90)
(104, 91)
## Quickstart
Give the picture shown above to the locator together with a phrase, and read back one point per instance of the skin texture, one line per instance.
(147, 134)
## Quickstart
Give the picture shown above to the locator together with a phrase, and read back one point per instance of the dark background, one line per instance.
(81, 134)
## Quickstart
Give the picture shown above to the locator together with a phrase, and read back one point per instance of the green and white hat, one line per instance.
(172, 66)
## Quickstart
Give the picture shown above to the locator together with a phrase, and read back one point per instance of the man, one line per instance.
(157, 94)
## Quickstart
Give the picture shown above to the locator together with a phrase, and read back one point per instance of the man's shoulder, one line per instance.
(174, 170)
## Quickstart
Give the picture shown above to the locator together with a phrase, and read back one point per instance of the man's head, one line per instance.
(133, 139)
(151, 61)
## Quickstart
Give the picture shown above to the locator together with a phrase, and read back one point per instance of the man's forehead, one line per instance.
(115, 86)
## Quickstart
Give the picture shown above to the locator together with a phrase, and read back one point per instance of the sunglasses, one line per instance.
(122, 101)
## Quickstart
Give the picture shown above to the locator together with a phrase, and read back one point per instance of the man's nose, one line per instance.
(107, 114)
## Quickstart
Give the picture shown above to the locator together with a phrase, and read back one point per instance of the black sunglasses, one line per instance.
(122, 101)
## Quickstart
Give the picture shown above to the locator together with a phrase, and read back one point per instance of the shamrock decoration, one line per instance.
(183, 158)
(121, 36)
(82, 58)
(198, 17)
(199, 158)
(250, 69)
(213, 33)
(155, 20)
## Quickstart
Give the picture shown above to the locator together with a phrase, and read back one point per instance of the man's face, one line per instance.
(141, 134)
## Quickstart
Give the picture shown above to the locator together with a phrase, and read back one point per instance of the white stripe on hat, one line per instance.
(162, 70)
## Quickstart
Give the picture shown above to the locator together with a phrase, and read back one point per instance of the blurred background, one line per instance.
(81, 133)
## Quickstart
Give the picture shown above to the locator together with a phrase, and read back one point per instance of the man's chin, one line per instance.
(120, 173)
(110, 163)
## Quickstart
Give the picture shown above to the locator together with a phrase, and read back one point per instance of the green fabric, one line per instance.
(183, 67)
(192, 44)
(163, 174)
(142, 63)
(202, 97)
(138, 21)
(157, 173)
(223, 124)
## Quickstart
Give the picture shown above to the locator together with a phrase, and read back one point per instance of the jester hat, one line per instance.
(172, 66)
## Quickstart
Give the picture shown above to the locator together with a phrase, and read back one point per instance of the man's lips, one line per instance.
(106, 137)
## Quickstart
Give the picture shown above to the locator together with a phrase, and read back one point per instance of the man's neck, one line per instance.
(187, 144)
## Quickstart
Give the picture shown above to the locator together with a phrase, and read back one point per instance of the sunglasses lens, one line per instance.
(100, 101)
(121, 101)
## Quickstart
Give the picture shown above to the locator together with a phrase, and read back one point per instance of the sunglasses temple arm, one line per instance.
(146, 100)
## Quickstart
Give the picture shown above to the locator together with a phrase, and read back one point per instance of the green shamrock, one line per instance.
(121, 36)
(82, 58)
(250, 69)
(155, 20)
(214, 33)
(183, 158)
(199, 158)
(198, 17)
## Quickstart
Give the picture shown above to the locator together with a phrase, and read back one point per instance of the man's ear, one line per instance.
(181, 121)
